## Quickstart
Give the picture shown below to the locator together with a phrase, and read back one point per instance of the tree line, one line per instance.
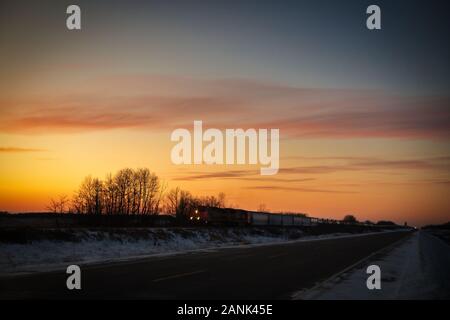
(130, 192)
(140, 192)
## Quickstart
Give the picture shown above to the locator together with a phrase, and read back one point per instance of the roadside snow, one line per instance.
(99, 246)
(418, 268)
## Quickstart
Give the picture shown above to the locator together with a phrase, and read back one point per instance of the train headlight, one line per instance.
(192, 218)
(196, 210)
(198, 218)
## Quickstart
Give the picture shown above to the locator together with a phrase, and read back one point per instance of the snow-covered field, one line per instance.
(418, 268)
(98, 246)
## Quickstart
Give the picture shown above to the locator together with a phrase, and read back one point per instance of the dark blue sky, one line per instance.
(320, 43)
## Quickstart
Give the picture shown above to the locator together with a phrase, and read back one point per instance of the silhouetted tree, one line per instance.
(221, 201)
(262, 208)
(172, 201)
(148, 192)
(180, 202)
(88, 198)
(110, 195)
(52, 206)
(135, 192)
(350, 218)
(58, 205)
(385, 223)
(127, 192)
(186, 202)
(211, 201)
(124, 182)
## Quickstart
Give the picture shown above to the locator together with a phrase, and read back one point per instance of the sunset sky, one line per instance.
(363, 115)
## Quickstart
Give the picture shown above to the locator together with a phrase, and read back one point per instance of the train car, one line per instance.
(238, 217)
(298, 220)
(287, 219)
(315, 221)
(258, 218)
(275, 220)
(302, 221)
(218, 216)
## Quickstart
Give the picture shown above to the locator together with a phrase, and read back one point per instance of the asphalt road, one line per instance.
(264, 272)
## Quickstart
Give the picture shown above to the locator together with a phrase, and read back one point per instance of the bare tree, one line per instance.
(212, 201)
(63, 200)
(127, 192)
(221, 200)
(97, 196)
(159, 198)
(151, 188)
(110, 195)
(89, 197)
(58, 205)
(52, 206)
(172, 200)
(124, 180)
(262, 208)
(185, 203)
(179, 202)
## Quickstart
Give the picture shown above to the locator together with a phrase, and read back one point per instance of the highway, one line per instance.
(260, 272)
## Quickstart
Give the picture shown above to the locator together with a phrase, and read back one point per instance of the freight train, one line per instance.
(238, 217)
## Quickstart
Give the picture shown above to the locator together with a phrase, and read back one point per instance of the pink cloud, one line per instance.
(162, 103)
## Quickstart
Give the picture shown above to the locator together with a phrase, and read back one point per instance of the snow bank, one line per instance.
(82, 246)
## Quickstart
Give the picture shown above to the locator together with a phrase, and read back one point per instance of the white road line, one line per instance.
(307, 293)
(179, 275)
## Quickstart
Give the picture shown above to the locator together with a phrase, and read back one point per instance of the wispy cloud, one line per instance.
(366, 164)
(243, 175)
(162, 103)
(299, 189)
